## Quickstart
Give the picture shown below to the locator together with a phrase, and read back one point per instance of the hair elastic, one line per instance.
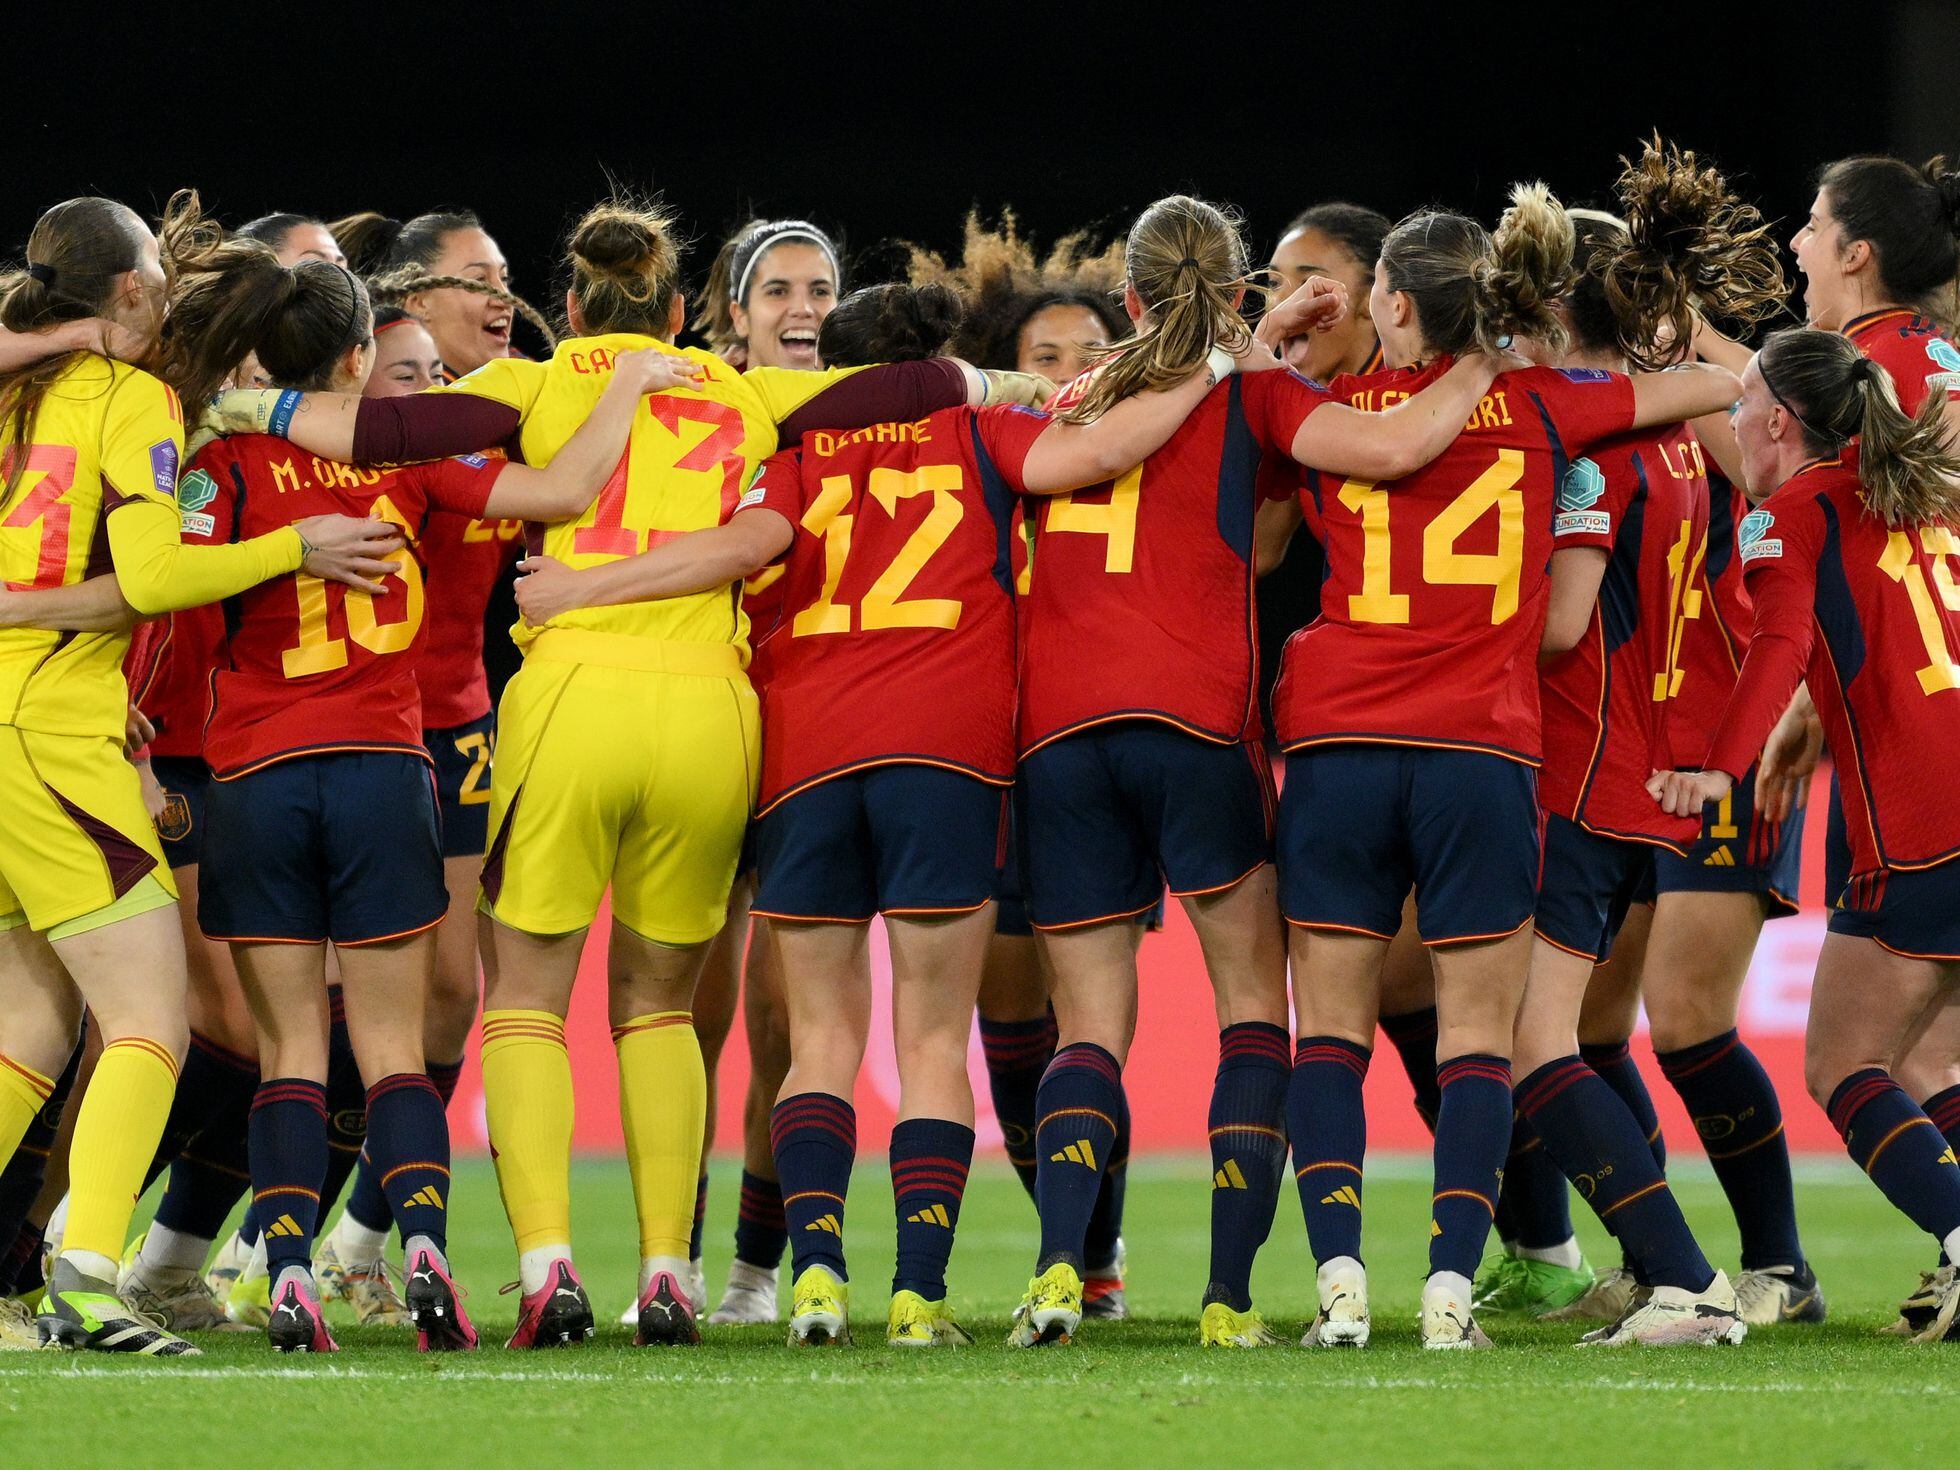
(774, 235)
(42, 273)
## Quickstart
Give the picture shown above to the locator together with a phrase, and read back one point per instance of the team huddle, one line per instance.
(935, 602)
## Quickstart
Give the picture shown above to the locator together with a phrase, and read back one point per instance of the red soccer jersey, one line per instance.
(897, 638)
(172, 686)
(1715, 637)
(1642, 498)
(465, 555)
(762, 601)
(1140, 605)
(1869, 616)
(1434, 596)
(1909, 347)
(311, 666)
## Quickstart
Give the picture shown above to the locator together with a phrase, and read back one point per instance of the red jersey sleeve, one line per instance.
(207, 496)
(777, 486)
(1591, 504)
(1276, 403)
(1008, 434)
(461, 484)
(1779, 545)
(1587, 404)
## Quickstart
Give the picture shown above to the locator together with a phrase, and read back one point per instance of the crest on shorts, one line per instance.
(174, 821)
(1582, 486)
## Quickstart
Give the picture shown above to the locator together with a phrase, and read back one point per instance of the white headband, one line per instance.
(788, 230)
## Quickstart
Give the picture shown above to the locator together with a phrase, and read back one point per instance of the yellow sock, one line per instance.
(116, 1136)
(527, 1097)
(23, 1093)
(663, 1101)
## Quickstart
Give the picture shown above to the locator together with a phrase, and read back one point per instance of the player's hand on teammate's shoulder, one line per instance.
(546, 587)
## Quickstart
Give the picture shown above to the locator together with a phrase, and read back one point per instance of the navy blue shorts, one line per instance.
(340, 847)
(1011, 904)
(1108, 817)
(1914, 913)
(1736, 853)
(908, 840)
(1360, 825)
(184, 780)
(1588, 884)
(462, 757)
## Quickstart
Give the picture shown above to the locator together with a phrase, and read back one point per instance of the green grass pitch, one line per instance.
(1140, 1391)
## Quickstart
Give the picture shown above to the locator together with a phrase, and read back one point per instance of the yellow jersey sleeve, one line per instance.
(159, 574)
(142, 441)
(784, 390)
(514, 382)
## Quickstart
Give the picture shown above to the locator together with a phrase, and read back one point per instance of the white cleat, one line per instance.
(1945, 1323)
(1671, 1316)
(1343, 1317)
(749, 1300)
(1779, 1294)
(180, 1301)
(1447, 1324)
(17, 1332)
(1607, 1300)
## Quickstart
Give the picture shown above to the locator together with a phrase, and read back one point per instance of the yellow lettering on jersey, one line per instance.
(1942, 671)
(1684, 461)
(882, 607)
(1375, 602)
(1496, 488)
(284, 477)
(822, 519)
(1116, 519)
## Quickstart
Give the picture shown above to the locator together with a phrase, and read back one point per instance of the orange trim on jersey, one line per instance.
(1415, 743)
(1340, 928)
(1208, 736)
(871, 763)
(1220, 887)
(1478, 938)
(301, 752)
(1578, 954)
(1099, 919)
(1612, 836)
(1860, 324)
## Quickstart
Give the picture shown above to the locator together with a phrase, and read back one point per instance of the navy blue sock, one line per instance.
(1734, 1107)
(700, 1218)
(1900, 1148)
(346, 1109)
(367, 1202)
(21, 1180)
(1470, 1147)
(814, 1138)
(289, 1160)
(761, 1232)
(1017, 1053)
(1615, 1066)
(408, 1141)
(1329, 1129)
(1099, 1241)
(1075, 1132)
(1534, 1208)
(1944, 1109)
(930, 1158)
(213, 1076)
(214, 1169)
(1591, 1136)
(1248, 1153)
(1413, 1034)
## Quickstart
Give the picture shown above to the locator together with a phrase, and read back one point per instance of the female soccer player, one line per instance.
(294, 237)
(1342, 241)
(772, 285)
(303, 734)
(1851, 564)
(897, 542)
(91, 451)
(654, 808)
(1053, 316)
(1141, 766)
(1409, 714)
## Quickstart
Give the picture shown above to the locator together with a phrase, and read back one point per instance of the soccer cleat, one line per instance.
(435, 1306)
(1533, 1288)
(819, 1310)
(1447, 1322)
(1051, 1311)
(226, 1267)
(1343, 1317)
(1918, 1308)
(249, 1303)
(298, 1323)
(84, 1312)
(557, 1314)
(179, 1300)
(1102, 1288)
(1606, 1300)
(666, 1316)
(1779, 1294)
(367, 1286)
(17, 1326)
(1672, 1316)
(748, 1300)
(914, 1322)
(1944, 1323)
(1220, 1326)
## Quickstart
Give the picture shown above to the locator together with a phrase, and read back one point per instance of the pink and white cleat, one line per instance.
(557, 1314)
(297, 1324)
(666, 1314)
(435, 1306)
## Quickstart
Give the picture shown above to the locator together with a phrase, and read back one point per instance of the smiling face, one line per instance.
(309, 241)
(791, 290)
(405, 361)
(1060, 342)
(1348, 346)
(469, 329)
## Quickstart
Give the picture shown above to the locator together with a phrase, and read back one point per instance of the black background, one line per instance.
(890, 122)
